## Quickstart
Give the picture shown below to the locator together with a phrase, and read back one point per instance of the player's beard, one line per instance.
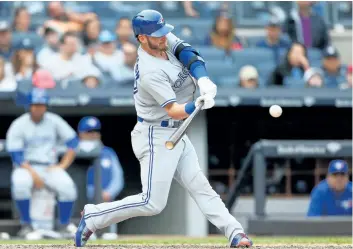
(159, 47)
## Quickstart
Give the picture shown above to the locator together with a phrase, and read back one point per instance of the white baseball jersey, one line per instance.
(39, 141)
(159, 82)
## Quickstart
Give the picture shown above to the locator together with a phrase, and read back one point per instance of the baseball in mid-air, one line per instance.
(275, 111)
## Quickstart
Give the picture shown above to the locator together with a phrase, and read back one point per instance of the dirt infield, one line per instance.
(298, 246)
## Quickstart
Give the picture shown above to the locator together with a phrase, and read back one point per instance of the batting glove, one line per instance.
(207, 87)
(208, 101)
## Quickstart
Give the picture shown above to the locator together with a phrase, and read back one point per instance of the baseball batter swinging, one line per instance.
(164, 96)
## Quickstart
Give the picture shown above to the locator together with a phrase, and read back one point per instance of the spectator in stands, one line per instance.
(223, 34)
(92, 78)
(333, 196)
(306, 27)
(294, 65)
(50, 48)
(66, 21)
(126, 70)
(348, 83)
(90, 34)
(189, 9)
(7, 79)
(89, 129)
(23, 60)
(22, 20)
(108, 58)
(334, 72)
(124, 32)
(273, 39)
(248, 77)
(68, 64)
(6, 49)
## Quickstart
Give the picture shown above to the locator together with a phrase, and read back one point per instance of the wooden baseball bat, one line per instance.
(178, 134)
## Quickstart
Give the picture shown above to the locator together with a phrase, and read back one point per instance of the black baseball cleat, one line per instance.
(241, 241)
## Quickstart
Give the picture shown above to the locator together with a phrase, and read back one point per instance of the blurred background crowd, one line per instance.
(91, 44)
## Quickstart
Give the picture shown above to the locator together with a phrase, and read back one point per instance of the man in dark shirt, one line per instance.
(334, 73)
(305, 26)
(333, 196)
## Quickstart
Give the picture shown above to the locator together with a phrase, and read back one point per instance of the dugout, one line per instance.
(232, 127)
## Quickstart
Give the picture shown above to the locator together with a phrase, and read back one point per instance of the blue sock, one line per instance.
(65, 211)
(23, 207)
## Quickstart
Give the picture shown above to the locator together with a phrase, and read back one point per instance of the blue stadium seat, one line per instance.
(265, 70)
(36, 39)
(290, 82)
(218, 68)
(252, 40)
(314, 54)
(211, 53)
(253, 56)
(227, 81)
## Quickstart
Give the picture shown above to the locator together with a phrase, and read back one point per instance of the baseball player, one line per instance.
(31, 141)
(164, 96)
(112, 173)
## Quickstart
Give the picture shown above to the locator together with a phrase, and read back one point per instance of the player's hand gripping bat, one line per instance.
(178, 134)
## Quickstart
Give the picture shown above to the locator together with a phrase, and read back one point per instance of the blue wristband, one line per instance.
(190, 107)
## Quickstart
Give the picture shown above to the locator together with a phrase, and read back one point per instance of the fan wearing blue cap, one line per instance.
(89, 130)
(333, 196)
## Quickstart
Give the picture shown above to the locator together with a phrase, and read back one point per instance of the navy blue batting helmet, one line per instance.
(150, 23)
(38, 96)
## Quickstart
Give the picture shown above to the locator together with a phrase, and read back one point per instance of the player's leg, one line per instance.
(191, 177)
(157, 170)
(21, 187)
(59, 181)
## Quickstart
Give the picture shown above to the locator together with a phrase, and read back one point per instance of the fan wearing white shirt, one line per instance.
(108, 59)
(7, 79)
(68, 64)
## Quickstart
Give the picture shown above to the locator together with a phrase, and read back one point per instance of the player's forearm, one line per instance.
(68, 158)
(180, 111)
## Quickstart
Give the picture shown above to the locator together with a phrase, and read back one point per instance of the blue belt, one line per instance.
(164, 123)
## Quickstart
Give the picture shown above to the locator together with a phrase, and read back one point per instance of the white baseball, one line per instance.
(275, 111)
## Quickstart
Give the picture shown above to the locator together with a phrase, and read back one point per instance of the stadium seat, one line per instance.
(211, 53)
(36, 39)
(265, 70)
(252, 56)
(290, 82)
(314, 54)
(217, 69)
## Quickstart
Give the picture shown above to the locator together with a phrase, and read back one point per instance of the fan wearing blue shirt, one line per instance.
(112, 173)
(273, 39)
(333, 196)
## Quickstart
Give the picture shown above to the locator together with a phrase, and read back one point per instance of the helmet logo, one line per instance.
(161, 20)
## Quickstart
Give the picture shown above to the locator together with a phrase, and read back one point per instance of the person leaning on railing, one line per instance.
(333, 196)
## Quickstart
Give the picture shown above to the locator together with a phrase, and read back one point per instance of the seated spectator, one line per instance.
(294, 65)
(223, 34)
(7, 80)
(124, 32)
(22, 20)
(304, 26)
(126, 70)
(348, 83)
(6, 49)
(92, 78)
(331, 65)
(248, 77)
(50, 47)
(68, 64)
(273, 39)
(333, 196)
(108, 59)
(66, 21)
(89, 130)
(90, 33)
(23, 60)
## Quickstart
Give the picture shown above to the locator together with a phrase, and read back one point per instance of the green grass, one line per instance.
(209, 240)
